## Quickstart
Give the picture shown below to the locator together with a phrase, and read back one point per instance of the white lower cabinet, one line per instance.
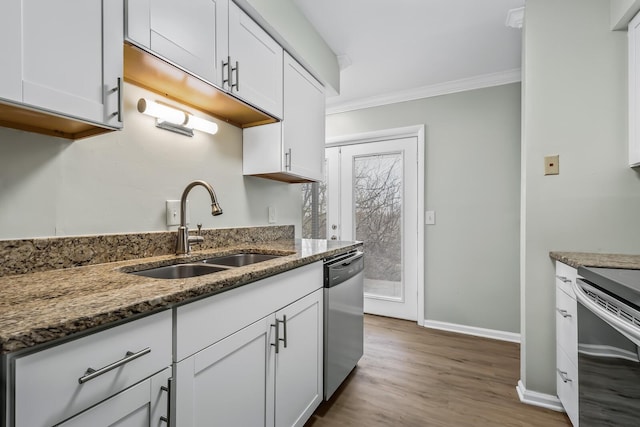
(229, 383)
(298, 364)
(567, 340)
(143, 405)
(250, 356)
(269, 372)
(121, 370)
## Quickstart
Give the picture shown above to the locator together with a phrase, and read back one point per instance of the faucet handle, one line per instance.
(199, 229)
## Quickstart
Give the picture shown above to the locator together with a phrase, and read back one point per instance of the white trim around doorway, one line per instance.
(417, 131)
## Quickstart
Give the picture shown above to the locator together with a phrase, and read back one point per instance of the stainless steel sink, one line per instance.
(180, 271)
(240, 260)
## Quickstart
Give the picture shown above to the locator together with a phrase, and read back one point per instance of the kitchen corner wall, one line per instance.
(472, 181)
(574, 105)
(118, 182)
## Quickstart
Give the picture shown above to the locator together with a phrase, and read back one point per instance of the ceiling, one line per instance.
(395, 50)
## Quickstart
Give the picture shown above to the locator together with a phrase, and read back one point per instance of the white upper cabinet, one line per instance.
(215, 41)
(303, 131)
(292, 150)
(11, 53)
(64, 57)
(191, 34)
(255, 70)
(634, 91)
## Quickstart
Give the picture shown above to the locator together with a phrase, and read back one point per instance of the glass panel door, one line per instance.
(378, 206)
(378, 190)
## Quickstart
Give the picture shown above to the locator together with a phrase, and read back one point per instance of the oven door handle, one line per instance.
(620, 325)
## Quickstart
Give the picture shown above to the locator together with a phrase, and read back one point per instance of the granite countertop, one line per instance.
(590, 259)
(41, 307)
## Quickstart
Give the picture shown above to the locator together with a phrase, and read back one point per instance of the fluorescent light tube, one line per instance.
(201, 124)
(163, 113)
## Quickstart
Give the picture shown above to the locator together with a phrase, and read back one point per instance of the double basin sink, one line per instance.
(205, 266)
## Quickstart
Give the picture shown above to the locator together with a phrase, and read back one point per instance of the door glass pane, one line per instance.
(377, 192)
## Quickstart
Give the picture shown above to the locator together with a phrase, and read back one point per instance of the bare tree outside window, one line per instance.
(314, 210)
(378, 190)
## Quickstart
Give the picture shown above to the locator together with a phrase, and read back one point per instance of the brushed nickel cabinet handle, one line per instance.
(563, 313)
(118, 89)
(284, 322)
(563, 376)
(277, 340)
(228, 79)
(168, 388)
(129, 356)
(287, 160)
(237, 82)
(563, 279)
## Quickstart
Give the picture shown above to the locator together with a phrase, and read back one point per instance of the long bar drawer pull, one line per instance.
(129, 356)
(563, 313)
(563, 376)
(284, 322)
(563, 279)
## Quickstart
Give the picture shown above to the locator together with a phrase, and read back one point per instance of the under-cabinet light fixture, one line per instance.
(175, 120)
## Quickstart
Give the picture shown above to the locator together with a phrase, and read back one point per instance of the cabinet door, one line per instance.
(304, 121)
(229, 383)
(11, 53)
(299, 360)
(258, 76)
(192, 34)
(63, 62)
(139, 406)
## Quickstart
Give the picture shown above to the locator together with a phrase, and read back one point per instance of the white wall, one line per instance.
(472, 181)
(119, 182)
(574, 105)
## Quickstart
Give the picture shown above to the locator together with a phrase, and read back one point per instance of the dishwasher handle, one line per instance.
(345, 262)
(342, 269)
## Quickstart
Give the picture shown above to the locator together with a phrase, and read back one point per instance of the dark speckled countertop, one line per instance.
(40, 307)
(590, 259)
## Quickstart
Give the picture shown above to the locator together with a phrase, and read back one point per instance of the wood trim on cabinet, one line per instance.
(146, 70)
(30, 120)
(282, 177)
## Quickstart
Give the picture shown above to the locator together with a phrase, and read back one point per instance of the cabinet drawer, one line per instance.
(567, 385)
(202, 323)
(565, 276)
(566, 324)
(49, 380)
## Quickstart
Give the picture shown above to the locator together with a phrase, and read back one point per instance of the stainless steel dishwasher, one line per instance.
(343, 317)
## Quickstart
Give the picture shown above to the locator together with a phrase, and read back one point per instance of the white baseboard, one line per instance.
(538, 399)
(472, 330)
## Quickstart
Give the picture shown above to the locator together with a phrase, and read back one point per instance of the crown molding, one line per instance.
(478, 82)
(515, 17)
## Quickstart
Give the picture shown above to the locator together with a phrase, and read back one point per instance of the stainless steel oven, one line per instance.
(608, 352)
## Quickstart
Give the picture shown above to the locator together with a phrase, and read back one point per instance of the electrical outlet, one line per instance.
(272, 214)
(552, 165)
(173, 212)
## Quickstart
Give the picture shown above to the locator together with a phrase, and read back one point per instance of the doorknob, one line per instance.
(334, 227)
(334, 237)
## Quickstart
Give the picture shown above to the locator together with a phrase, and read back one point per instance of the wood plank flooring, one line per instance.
(413, 376)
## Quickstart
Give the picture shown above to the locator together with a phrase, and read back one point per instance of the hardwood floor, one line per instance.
(413, 376)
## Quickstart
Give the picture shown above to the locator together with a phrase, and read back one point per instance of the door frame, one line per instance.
(417, 131)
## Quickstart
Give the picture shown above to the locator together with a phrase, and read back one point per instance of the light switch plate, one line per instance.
(552, 165)
(430, 217)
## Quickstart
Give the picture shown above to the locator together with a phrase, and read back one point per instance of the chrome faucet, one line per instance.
(183, 244)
